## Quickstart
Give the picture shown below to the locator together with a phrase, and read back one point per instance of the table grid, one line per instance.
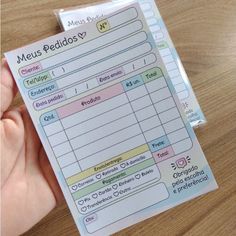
(145, 115)
(127, 129)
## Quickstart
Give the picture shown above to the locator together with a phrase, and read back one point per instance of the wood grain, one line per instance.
(204, 33)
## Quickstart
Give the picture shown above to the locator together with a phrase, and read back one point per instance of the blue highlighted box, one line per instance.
(132, 83)
(159, 144)
(49, 118)
(43, 90)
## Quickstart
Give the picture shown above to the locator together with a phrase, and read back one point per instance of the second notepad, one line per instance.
(74, 17)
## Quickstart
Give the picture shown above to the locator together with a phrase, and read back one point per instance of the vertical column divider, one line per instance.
(70, 144)
(155, 108)
(135, 116)
(139, 123)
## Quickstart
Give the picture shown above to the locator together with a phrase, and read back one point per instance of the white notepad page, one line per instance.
(110, 122)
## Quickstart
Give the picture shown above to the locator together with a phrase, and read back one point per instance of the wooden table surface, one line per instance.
(204, 33)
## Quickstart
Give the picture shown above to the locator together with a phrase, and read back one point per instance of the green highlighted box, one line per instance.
(112, 179)
(162, 45)
(37, 80)
(152, 74)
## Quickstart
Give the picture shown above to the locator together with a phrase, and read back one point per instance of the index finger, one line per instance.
(8, 87)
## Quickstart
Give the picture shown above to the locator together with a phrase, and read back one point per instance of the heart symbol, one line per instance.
(138, 176)
(82, 35)
(181, 163)
(115, 194)
(81, 202)
(122, 165)
(74, 187)
(83, 209)
(115, 186)
(95, 195)
(98, 176)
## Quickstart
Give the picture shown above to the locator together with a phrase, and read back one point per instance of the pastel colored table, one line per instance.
(204, 33)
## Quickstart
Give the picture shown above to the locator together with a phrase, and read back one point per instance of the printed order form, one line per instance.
(110, 122)
(70, 18)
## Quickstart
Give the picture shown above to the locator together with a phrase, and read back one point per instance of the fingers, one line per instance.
(32, 142)
(36, 154)
(12, 133)
(8, 88)
(50, 177)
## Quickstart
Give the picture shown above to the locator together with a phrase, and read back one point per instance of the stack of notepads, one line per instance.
(113, 108)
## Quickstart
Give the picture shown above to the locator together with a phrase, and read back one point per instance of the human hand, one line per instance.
(29, 188)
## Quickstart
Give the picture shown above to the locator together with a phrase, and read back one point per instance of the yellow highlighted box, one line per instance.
(107, 164)
(103, 26)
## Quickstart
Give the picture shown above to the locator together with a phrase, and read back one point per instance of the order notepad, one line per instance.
(74, 17)
(110, 122)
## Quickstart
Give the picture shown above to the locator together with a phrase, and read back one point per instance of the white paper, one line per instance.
(110, 122)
